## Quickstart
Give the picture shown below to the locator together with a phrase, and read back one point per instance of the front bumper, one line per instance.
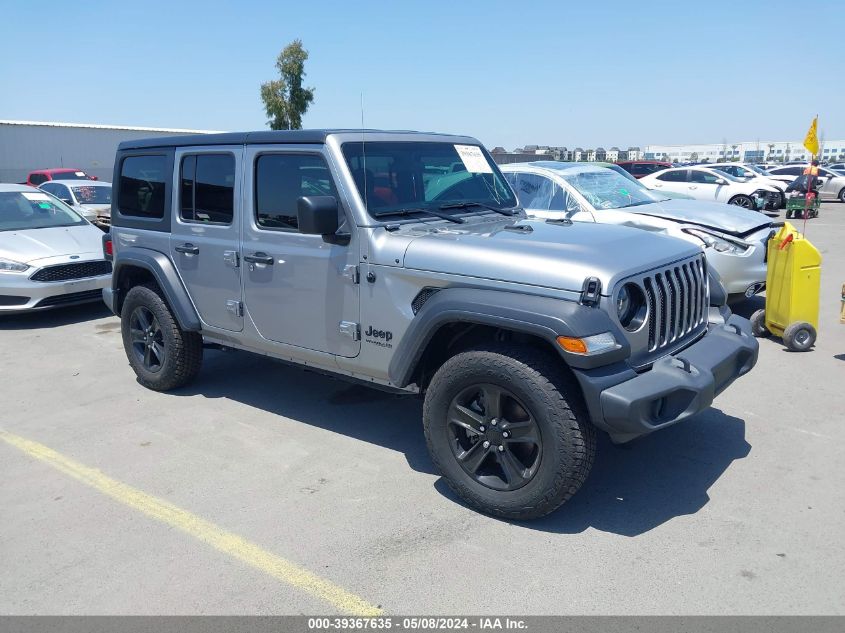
(19, 294)
(628, 405)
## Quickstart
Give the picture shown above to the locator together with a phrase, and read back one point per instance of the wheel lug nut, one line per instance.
(501, 448)
(482, 428)
(486, 444)
(505, 434)
(494, 421)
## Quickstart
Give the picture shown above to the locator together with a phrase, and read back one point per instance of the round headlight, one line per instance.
(631, 307)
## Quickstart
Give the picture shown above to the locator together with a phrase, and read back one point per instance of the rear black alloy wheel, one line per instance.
(494, 437)
(162, 354)
(147, 339)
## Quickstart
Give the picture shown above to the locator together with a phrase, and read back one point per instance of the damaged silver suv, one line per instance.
(403, 261)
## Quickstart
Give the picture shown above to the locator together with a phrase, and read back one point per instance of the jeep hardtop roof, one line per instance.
(272, 136)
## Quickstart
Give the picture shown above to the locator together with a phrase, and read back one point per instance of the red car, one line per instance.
(640, 168)
(40, 176)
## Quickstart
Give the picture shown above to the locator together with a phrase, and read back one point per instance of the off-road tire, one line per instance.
(747, 200)
(183, 350)
(799, 336)
(758, 324)
(537, 379)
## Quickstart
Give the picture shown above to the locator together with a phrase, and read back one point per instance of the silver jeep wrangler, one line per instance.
(402, 260)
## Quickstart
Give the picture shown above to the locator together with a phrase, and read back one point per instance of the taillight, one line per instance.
(108, 247)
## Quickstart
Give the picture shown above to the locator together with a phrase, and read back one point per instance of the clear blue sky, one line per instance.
(510, 73)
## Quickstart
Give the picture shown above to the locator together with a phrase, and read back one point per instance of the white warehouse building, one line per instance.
(747, 151)
(29, 145)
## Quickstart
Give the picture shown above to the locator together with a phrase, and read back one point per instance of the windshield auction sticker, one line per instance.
(473, 159)
(35, 196)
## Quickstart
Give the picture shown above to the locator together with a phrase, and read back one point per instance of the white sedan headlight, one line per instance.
(11, 266)
(717, 242)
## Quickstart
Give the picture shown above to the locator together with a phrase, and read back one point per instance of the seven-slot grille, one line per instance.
(78, 270)
(678, 298)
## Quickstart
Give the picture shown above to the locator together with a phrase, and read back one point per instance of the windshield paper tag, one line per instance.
(473, 159)
(35, 196)
(80, 173)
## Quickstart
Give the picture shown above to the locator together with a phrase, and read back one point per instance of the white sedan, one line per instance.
(89, 198)
(749, 171)
(703, 183)
(49, 255)
(733, 239)
(831, 183)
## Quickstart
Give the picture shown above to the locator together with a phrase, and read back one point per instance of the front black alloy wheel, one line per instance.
(746, 202)
(506, 426)
(494, 437)
(147, 339)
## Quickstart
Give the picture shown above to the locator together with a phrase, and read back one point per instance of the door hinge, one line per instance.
(231, 258)
(235, 307)
(350, 329)
(351, 273)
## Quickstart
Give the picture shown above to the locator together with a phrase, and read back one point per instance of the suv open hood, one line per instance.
(538, 253)
(727, 218)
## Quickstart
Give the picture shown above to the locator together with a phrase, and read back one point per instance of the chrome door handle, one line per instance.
(188, 249)
(693, 187)
(259, 258)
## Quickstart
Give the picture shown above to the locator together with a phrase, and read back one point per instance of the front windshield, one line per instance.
(397, 177)
(20, 210)
(90, 194)
(606, 189)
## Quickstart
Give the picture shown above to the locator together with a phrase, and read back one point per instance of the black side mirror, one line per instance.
(317, 215)
(67, 201)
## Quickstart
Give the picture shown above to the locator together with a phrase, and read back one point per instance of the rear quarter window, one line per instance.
(142, 186)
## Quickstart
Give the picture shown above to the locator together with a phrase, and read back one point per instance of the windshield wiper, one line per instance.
(437, 214)
(465, 205)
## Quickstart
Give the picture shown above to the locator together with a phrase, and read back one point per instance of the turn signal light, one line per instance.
(574, 345)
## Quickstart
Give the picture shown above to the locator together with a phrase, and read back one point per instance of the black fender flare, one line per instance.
(544, 317)
(162, 269)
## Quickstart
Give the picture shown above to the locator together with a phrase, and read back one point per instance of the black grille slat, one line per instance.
(673, 307)
(662, 329)
(76, 270)
(652, 314)
(73, 297)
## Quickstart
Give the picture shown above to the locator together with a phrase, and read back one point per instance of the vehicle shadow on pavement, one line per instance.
(393, 421)
(636, 487)
(55, 318)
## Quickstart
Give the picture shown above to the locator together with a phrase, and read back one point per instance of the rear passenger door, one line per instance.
(674, 181)
(205, 235)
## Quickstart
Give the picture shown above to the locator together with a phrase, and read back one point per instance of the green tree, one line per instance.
(285, 100)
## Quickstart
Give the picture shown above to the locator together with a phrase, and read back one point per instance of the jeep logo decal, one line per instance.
(381, 338)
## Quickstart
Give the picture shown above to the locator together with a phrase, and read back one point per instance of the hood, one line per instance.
(30, 245)
(727, 218)
(549, 255)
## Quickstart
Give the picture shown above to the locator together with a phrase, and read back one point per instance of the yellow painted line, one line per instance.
(218, 538)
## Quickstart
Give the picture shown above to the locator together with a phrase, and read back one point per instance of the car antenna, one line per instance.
(364, 155)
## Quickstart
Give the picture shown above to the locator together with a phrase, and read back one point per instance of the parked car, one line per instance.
(40, 176)
(90, 199)
(749, 171)
(704, 183)
(640, 168)
(733, 239)
(831, 183)
(402, 260)
(840, 167)
(49, 255)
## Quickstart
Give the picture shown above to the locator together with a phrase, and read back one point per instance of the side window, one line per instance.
(37, 179)
(789, 171)
(527, 187)
(207, 188)
(703, 177)
(142, 186)
(678, 175)
(50, 187)
(280, 180)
